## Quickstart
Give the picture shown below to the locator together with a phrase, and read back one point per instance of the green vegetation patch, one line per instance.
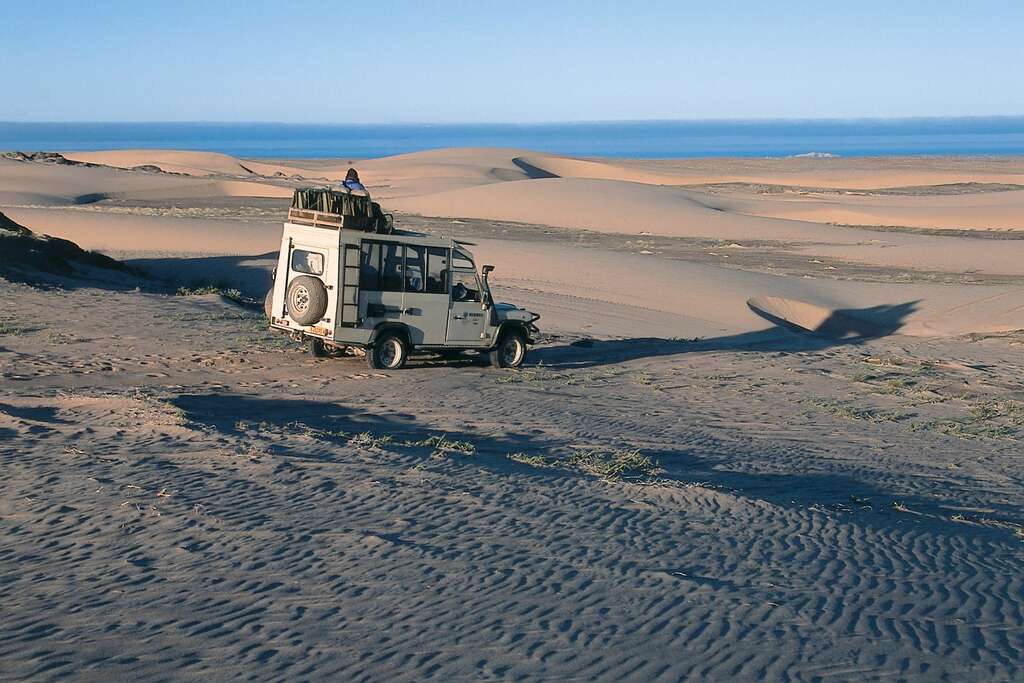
(232, 294)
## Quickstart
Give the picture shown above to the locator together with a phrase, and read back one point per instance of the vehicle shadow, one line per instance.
(839, 328)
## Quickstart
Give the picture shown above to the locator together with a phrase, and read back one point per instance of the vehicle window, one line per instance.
(391, 267)
(437, 270)
(465, 287)
(369, 267)
(415, 264)
(461, 259)
(309, 262)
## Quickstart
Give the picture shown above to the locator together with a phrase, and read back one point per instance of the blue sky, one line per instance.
(507, 61)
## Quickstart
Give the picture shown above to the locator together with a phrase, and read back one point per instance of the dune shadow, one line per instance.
(48, 262)
(531, 171)
(871, 503)
(333, 430)
(249, 274)
(81, 278)
(228, 412)
(239, 415)
(834, 328)
(33, 413)
(779, 488)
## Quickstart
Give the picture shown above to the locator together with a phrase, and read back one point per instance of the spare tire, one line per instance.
(307, 300)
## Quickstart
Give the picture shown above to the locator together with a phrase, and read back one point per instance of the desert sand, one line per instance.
(810, 371)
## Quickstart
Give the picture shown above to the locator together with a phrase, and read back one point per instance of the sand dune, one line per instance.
(513, 185)
(171, 161)
(639, 209)
(155, 234)
(716, 301)
(430, 176)
(597, 198)
(29, 183)
(200, 163)
(413, 173)
(442, 170)
(487, 164)
(541, 165)
(859, 173)
(603, 205)
(854, 173)
(982, 211)
(702, 299)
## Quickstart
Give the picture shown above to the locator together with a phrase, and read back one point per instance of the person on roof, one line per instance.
(352, 181)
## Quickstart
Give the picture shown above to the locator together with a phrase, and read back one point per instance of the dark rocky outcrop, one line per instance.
(21, 249)
(46, 158)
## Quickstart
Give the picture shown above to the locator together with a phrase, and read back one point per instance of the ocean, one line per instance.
(637, 139)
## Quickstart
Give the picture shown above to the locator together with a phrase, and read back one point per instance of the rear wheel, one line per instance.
(315, 347)
(389, 352)
(268, 304)
(510, 351)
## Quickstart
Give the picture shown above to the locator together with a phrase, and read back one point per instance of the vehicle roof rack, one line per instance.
(324, 207)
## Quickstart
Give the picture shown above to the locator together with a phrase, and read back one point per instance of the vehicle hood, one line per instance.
(506, 311)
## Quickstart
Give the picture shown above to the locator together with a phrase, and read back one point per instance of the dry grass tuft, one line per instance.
(370, 441)
(620, 464)
(532, 460)
(442, 445)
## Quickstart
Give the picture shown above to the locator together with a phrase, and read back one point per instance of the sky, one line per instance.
(524, 62)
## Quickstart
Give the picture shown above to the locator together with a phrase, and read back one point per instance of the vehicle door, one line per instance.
(380, 282)
(425, 305)
(466, 315)
(315, 261)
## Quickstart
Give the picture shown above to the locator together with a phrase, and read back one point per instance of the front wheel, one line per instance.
(510, 351)
(389, 352)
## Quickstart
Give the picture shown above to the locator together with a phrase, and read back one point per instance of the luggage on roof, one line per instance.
(326, 200)
(328, 208)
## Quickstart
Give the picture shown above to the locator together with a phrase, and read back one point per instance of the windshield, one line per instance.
(461, 259)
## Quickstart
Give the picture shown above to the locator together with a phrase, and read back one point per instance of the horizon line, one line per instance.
(753, 120)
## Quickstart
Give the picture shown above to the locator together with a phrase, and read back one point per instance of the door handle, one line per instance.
(458, 317)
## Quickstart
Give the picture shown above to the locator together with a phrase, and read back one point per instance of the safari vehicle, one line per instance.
(353, 282)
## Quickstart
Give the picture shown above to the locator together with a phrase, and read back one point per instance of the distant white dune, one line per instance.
(814, 155)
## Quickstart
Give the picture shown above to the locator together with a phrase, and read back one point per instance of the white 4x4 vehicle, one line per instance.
(338, 285)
